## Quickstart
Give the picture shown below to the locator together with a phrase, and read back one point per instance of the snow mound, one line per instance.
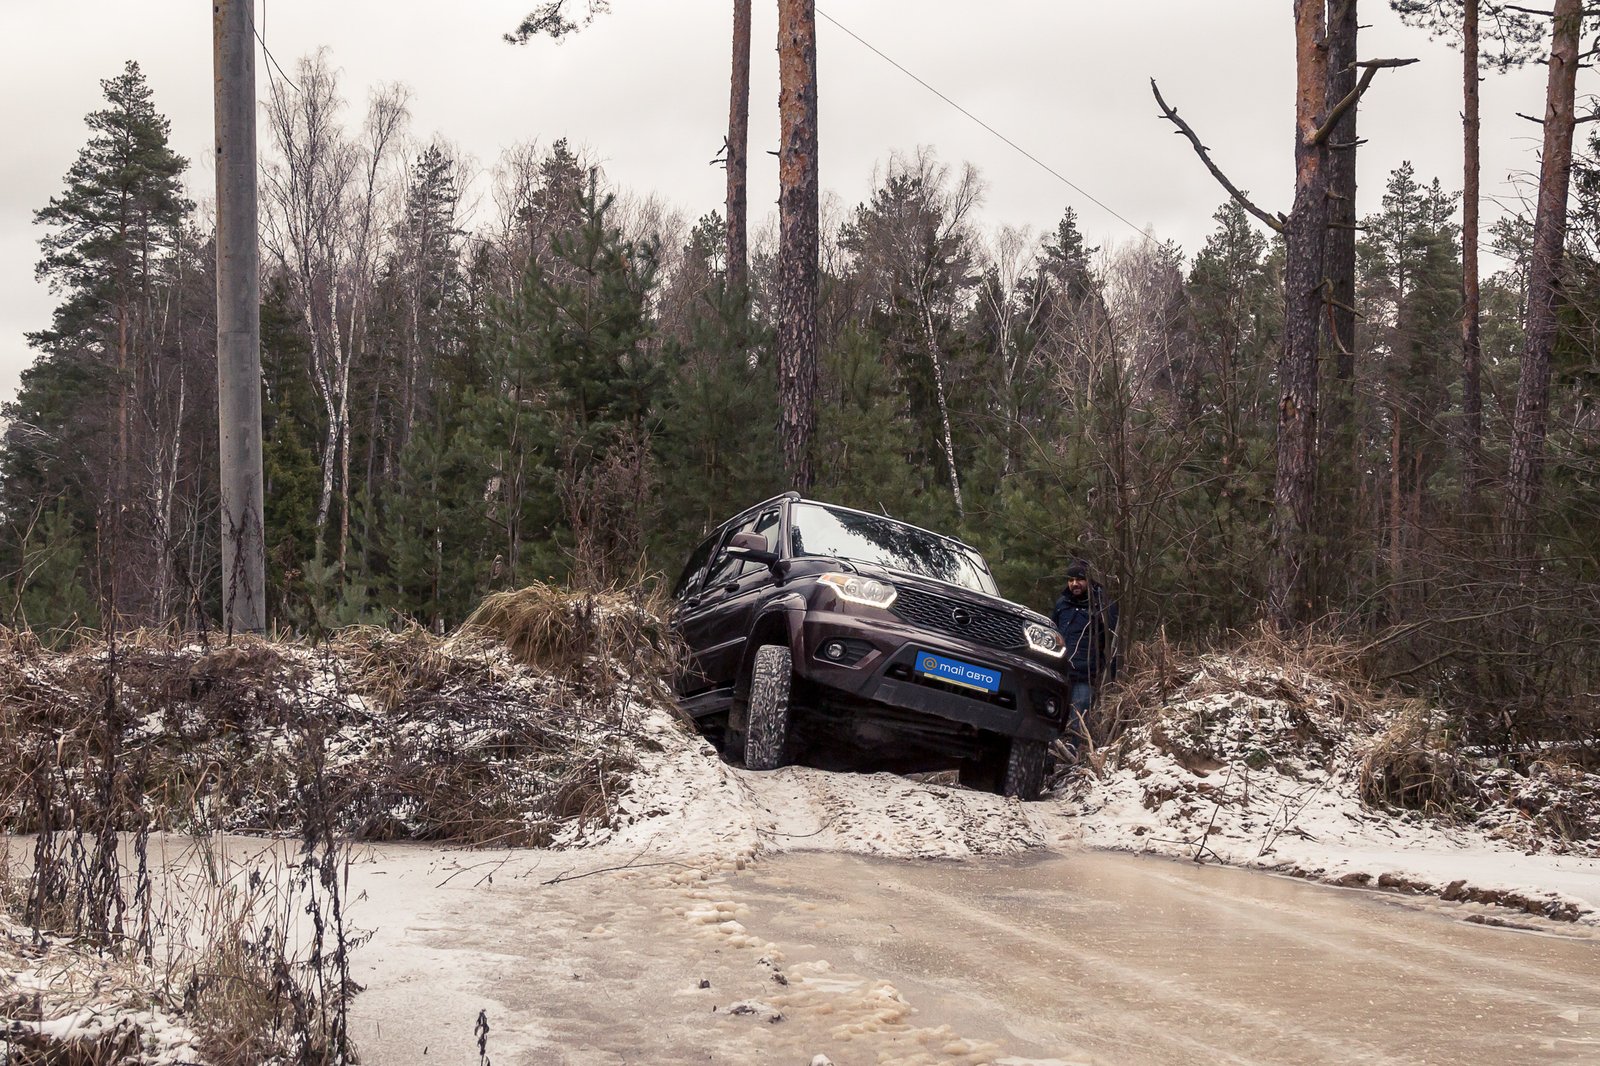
(1247, 764)
(683, 799)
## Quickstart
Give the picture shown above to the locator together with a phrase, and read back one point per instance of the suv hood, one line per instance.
(948, 589)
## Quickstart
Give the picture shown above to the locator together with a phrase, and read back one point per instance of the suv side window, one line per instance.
(693, 569)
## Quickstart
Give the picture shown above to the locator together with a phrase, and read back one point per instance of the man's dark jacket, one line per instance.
(1088, 624)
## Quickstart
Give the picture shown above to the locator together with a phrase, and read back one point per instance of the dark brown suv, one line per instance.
(852, 641)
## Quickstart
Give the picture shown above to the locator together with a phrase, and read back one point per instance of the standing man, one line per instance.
(1088, 623)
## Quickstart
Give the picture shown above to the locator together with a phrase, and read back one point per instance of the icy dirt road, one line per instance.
(1061, 957)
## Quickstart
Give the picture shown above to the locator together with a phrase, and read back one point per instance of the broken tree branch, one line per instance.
(1276, 222)
(1369, 70)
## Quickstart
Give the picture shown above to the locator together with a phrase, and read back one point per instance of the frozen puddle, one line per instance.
(1047, 959)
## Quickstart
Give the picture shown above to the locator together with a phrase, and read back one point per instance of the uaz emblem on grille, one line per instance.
(961, 616)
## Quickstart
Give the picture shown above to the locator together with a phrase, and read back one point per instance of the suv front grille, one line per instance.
(985, 625)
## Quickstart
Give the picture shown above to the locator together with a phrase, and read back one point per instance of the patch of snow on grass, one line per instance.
(62, 1001)
(1244, 768)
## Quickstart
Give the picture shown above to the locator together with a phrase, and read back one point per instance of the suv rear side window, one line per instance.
(693, 569)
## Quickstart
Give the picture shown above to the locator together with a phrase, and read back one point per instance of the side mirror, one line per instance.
(752, 547)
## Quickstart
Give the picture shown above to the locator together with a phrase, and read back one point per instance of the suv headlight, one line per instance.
(857, 589)
(1045, 639)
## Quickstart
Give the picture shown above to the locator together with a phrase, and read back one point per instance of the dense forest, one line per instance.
(564, 380)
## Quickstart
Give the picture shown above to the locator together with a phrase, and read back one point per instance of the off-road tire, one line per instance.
(767, 718)
(1024, 776)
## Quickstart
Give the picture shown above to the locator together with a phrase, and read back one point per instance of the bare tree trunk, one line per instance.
(169, 454)
(119, 503)
(344, 462)
(1396, 507)
(1295, 489)
(738, 146)
(1338, 429)
(1544, 284)
(1471, 395)
(1341, 251)
(798, 236)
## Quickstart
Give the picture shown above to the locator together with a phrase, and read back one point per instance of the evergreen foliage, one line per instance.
(102, 436)
(562, 385)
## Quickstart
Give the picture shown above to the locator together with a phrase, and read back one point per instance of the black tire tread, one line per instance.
(1024, 777)
(767, 722)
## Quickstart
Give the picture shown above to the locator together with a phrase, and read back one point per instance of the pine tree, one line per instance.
(1411, 274)
(120, 215)
(113, 236)
(798, 237)
(51, 593)
(1237, 303)
(713, 416)
(577, 372)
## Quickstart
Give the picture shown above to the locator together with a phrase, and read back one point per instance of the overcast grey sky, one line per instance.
(645, 91)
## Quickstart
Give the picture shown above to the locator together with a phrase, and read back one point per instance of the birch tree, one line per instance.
(323, 195)
(915, 254)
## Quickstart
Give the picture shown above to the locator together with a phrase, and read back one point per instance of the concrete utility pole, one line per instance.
(238, 318)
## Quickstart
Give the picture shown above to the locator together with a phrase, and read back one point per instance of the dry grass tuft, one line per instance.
(1312, 660)
(1291, 669)
(580, 634)
(1413, 764)
(388, 668)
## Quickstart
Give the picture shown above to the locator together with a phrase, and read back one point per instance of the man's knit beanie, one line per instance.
(1079, 568)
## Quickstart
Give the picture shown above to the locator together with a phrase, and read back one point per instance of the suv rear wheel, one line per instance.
(767, 719)
(1024, 769)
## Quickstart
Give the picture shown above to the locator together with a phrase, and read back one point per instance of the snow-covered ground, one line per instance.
(1245, 766)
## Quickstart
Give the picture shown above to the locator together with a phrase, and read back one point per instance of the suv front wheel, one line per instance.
(1024, 769)
(767, 717)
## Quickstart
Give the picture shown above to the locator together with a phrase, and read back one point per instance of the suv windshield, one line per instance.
(866, 538)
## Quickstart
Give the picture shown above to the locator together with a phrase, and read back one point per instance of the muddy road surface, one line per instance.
(1058, 957)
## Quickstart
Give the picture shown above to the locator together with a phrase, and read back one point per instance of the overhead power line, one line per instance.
(272, 60)
(1041, 164)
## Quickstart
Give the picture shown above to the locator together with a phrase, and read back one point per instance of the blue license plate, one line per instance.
(957, 672)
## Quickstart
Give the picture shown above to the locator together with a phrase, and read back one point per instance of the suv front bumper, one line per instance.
(1031, 701)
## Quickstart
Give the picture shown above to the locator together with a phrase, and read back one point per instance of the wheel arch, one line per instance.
(779, 622)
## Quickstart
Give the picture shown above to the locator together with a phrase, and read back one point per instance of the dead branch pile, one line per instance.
(503, 733)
